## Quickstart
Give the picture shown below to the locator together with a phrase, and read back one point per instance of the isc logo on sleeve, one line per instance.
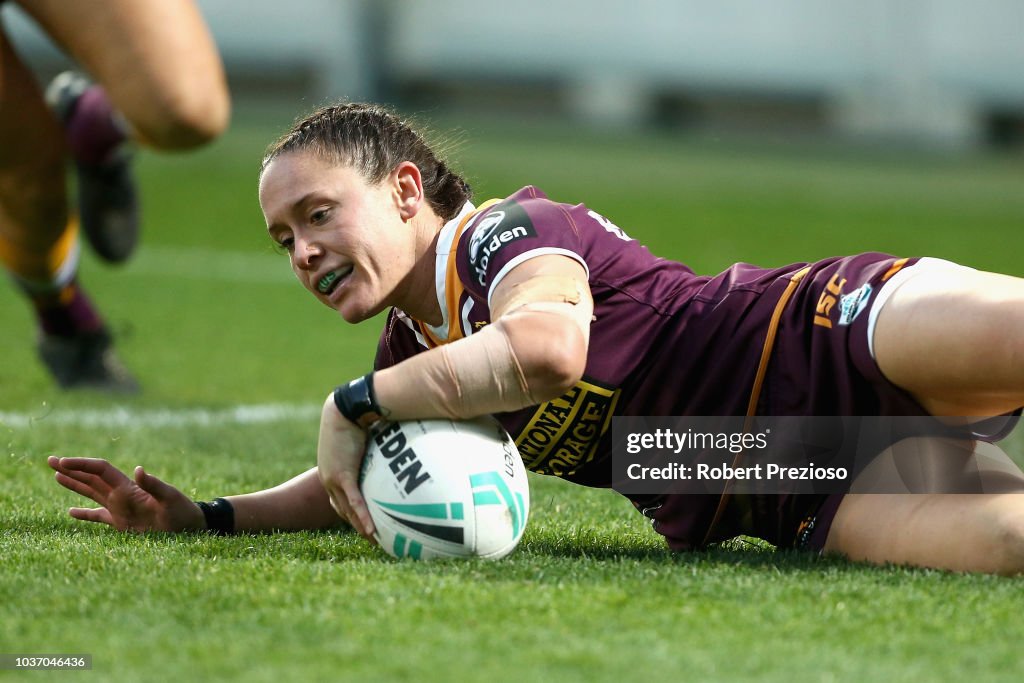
(828, 299)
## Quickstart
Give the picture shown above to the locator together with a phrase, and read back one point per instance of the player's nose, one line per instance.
(306, 254)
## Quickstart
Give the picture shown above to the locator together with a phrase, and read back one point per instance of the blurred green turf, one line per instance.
(209, 317)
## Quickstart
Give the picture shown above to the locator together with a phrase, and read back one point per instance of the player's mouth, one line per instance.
(332, 280)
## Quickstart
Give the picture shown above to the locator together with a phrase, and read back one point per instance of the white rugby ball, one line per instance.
(443, 488)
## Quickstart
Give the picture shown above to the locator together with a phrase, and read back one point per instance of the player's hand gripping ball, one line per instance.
(443, 488)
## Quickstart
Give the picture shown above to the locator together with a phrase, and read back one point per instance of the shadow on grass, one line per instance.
(344, 545)
(742, 551)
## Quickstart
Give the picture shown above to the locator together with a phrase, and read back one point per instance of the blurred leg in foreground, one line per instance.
(157, 80)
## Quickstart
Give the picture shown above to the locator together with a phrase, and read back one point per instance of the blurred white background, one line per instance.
(939, 72)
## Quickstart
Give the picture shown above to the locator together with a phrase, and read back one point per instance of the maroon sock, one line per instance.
(92, 129)
(67, 312)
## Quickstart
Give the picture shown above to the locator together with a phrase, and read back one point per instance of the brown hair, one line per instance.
(374, 140)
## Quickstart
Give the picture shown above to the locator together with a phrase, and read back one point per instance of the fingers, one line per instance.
(96, 466)
(339, 450)
(160, 490)
(91, 480)
(357, 510)
(86, 484)
(340, 504)
(93, 471)
(341, 501)
(80, 488)
(99, 515)
(340, 508)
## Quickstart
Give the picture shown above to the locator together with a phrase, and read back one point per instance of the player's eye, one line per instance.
(284, 245)
(318, 216)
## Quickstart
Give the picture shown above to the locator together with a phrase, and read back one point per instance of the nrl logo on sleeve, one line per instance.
(495, 230)
(850, 305)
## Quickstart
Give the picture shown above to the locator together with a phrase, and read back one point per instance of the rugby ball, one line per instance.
(443, 488)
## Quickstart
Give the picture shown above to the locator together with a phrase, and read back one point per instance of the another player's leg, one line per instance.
(38, 244)
(156, 61)
(108, 204)
(159, 82)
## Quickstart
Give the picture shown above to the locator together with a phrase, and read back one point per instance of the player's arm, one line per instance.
(297, 504)
(145, 503)
(535, 349)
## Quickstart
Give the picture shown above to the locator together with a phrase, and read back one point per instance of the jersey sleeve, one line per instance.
(521, 227)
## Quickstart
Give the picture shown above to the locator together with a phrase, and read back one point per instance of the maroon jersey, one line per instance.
(664, 341)
(637, 301)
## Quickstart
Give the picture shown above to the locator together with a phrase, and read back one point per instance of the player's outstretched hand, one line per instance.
(142, 504)
(339, 455)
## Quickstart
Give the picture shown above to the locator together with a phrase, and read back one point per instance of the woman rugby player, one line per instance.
(523, 307)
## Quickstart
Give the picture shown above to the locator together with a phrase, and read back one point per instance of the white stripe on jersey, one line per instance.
(466, 308)
(412, 326)
(444, 246)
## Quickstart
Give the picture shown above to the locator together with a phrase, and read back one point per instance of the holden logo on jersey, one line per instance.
(496, 230)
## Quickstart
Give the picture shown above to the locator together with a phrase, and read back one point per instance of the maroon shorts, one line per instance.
(820, 364)
(784, 520)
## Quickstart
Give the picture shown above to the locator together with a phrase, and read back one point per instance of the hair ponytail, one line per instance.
(374, 140)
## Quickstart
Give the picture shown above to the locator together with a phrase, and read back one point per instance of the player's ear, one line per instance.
(408, 185)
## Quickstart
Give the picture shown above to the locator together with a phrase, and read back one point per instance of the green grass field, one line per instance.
(210, 319)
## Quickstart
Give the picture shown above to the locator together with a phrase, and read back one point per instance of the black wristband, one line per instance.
(357, 402)
(219, 515)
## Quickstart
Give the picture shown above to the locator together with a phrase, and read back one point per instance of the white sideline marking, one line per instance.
(197, 263)
(122, 417)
